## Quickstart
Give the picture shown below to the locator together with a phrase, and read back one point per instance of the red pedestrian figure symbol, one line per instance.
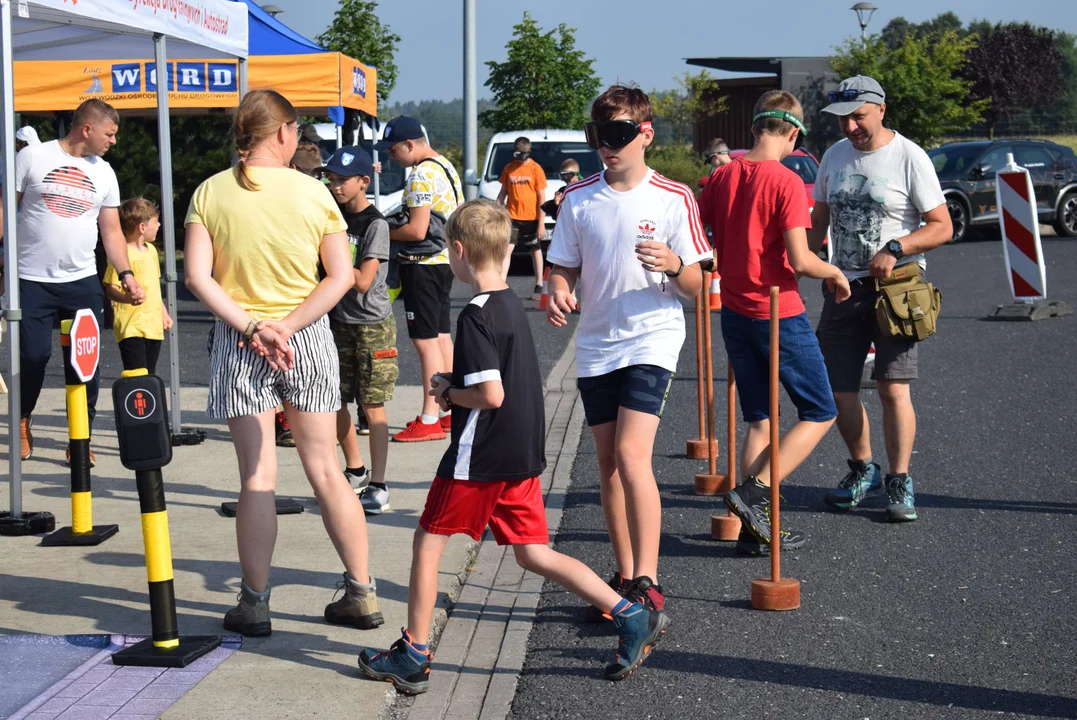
(140, 404)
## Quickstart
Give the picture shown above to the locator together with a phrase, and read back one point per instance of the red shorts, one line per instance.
(512, 508)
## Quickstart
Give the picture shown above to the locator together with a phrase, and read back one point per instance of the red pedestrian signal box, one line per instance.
(142, 422)
(85, 344)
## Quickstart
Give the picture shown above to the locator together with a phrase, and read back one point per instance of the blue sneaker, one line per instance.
(399, 665)
(639, 629)
(859, 484)
(901, 501)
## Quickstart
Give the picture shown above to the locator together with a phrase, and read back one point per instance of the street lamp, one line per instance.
(864, 11)
(274, 11)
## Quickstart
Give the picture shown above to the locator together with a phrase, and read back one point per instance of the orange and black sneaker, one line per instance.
(593, 614)
(418, 431)
(404, 665)
(644, 591)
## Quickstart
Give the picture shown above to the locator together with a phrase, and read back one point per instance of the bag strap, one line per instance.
(455, 191)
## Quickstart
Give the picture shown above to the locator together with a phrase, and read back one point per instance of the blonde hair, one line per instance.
(134, 212)
(570, 165)
(483, 227)
(260, 115)
(776, 100)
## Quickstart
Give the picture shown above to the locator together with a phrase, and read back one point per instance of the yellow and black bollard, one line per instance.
(146, 447)
(82, 530)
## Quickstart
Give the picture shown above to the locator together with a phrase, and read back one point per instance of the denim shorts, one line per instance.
(637, 387)
(800, 366)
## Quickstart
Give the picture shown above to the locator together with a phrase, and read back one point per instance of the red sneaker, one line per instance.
(417, 431)
(446, 423)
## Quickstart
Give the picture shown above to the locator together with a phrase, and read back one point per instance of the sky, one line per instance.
(641, 41)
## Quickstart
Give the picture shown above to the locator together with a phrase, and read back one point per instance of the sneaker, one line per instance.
(537, 294)
(900, 499)
(359, 606)
(399, 666)
(749, 544)
(639, 629)
(750, 501)
(643, 590)
(361, 426)
(26, 437)
(418, 431)
(284, 433)
(251, 616)
(592, 614)
(374, 499)
(67, 461)
(358, 481)
(446, 423)
(863, 481)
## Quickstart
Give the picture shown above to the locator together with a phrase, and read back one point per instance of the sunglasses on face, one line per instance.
(848, 95)
(614, 134)
(566, 176)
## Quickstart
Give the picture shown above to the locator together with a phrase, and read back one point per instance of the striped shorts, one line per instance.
(242, 383)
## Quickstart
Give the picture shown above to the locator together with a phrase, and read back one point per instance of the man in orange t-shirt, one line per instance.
(523, 190)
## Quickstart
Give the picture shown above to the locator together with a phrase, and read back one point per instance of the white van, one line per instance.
(549, 148)
(392, 178)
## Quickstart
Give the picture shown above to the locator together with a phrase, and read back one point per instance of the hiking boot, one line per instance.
(26, 437)
(67, 462)
(418, 431)
(639, 628)
(863, 481)
(251, 616)
(375, 499)
(358, 607)
(749, 544)
(361, 425)
(900, 499)
(750, 501)
(643, 590)
(359, 480)
(400, 665)
(446, 423)
(592, 614)
(284, 432)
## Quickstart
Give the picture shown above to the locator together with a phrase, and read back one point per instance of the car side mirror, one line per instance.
(979, 171)
(471, 178)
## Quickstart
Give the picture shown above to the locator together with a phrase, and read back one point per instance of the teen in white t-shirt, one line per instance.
(633, 238)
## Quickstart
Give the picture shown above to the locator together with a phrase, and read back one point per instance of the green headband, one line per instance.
(782, 115)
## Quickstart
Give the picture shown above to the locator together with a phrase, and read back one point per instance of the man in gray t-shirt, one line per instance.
(874, 190)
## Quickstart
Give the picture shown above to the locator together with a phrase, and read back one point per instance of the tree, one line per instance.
(696, 100)
(895, 32)
(1016, 68)
(545, 82)
(357, 32)
(926, 97)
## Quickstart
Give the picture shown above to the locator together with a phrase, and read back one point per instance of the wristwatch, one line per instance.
(679, 270)
(894, 248)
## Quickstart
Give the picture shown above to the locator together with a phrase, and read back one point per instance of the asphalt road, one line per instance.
(967, 613)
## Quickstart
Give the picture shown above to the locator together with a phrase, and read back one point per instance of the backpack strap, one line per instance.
(456, 192)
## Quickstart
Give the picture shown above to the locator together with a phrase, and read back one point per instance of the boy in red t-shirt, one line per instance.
(758, 213)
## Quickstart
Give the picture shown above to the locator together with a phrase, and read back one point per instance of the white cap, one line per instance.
(28, 135)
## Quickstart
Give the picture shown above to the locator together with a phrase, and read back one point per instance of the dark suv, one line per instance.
(967, 173)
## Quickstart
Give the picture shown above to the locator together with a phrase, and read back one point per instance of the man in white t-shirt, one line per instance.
(66, 194)
(634, 239)
(873, 190)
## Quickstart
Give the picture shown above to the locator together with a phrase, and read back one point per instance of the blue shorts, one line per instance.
(800, 366)
(637, 387)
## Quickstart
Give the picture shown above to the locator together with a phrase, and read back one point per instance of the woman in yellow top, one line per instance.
(255, 235)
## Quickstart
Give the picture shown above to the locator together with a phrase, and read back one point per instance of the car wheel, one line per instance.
(959, 217)
(1066, 222)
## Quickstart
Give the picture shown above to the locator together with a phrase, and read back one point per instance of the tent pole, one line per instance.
(374, 153)
(471, 134)
(13, 310)
(242, 78)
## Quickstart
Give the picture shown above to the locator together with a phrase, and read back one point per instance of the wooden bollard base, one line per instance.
(781, 595)
(697, 449)
(725, 527)
(707, 484)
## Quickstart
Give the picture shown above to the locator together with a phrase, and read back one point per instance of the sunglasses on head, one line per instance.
(614, 134)
(787, 117)
(848, 95)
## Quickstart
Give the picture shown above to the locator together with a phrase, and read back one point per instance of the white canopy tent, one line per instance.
(103, 30)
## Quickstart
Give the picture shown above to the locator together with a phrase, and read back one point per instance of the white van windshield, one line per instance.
(549, 154)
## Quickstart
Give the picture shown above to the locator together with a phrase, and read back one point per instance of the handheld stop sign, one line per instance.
(142, 422)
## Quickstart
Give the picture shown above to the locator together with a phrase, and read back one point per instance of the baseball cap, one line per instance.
(28, 135)
(854, 92)
(350, 161)
(397, 130)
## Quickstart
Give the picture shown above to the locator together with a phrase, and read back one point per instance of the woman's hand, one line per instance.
(270, 341)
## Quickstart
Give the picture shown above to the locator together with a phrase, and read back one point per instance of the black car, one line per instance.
(967, 173)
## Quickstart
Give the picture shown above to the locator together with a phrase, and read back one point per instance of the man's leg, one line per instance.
(899, 423)
(536, 260)
(39, 309)
(853, 425)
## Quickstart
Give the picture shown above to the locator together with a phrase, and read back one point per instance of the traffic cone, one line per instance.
(544, 298)
(716, 292)
(871, 355)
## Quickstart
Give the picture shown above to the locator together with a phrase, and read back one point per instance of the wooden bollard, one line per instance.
(697, 447)
(726, 527)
